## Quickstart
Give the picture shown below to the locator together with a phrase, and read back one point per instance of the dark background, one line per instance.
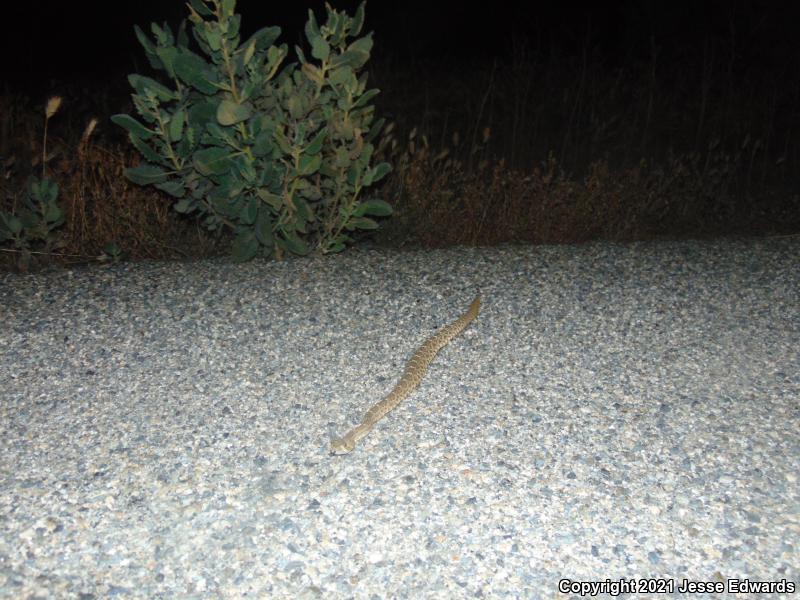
(691, 105)
(43, 41)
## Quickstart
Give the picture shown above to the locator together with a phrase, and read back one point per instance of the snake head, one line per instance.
(342, 446)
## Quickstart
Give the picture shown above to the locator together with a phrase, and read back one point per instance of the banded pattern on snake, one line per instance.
(414, 371)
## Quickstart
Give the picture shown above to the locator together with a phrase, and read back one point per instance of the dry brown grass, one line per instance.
(101, 206)
(440, 201)
(454, 193)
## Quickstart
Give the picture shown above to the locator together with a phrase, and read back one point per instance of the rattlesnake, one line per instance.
(412, 375)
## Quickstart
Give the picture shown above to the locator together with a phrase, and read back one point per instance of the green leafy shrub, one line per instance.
(280, 155)
(36, 218)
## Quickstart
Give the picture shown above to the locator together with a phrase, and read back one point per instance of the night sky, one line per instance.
(50, 41)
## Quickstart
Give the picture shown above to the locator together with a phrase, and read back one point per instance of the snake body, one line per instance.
(415, 370)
